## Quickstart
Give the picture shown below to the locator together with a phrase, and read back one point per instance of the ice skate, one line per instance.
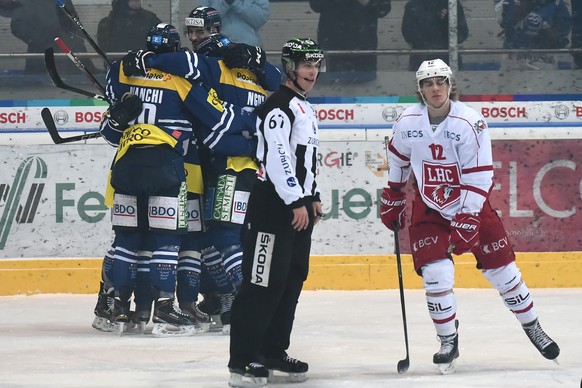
(170, 321)
(546, 346)
(210, 305)
(202, 319)
(103, 320)
(286, 370)
(251, 375)
(225, 306)
(121, 314)
(141, 317)
(448, 353)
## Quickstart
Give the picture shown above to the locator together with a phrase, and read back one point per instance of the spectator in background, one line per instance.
(425, 25)
(7, 7)
(37, 23)
(577, 31)
(126, 26)
(350, 25)
(241, 19)
(533, 24)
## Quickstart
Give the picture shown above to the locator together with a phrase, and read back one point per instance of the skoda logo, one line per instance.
(390, 114)
(562, 112)
(61, 117)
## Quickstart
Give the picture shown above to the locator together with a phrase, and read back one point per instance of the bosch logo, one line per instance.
(335, 114)
(61, 117)
(504, 112)
(562, 112)
(390, 114)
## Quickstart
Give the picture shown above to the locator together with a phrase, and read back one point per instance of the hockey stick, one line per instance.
(403, 365)
(75, 20)
(49, 62)
(66, 49)
(51, 126)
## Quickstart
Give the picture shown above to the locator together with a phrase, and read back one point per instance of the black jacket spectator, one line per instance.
(37, 23)
(350, 25)
(126, 26)
(425, 25)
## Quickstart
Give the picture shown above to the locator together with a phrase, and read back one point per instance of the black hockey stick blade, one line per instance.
(51, 126)
(403, 365)
(51, 68)
(75, 20)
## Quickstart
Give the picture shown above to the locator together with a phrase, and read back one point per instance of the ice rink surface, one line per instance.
(349, 338)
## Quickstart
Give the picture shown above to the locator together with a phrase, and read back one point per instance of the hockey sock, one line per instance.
(507, 280)
(163, 265)
(212, 260)
(107, 270)
(124, 270)
(232, 261)
(438, 281)
(442, 308)
(520, 302)
(189, 268)
(144, 293)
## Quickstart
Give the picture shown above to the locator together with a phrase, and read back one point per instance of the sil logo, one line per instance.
(12, 206)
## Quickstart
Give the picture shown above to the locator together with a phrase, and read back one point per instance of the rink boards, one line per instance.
(334, 272)
(51, 201)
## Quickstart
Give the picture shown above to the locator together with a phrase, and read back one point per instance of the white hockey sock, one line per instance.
(442, 308)
(507, 280)
(520, 302)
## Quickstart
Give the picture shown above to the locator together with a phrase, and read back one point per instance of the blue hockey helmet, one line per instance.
(163, 38)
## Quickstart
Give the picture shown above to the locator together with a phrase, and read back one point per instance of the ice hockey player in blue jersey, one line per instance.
(148, 175)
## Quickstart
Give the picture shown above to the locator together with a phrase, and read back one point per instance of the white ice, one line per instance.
(349, 338)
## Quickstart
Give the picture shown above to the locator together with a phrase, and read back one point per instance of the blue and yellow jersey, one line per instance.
(237, 86)
(170, 105)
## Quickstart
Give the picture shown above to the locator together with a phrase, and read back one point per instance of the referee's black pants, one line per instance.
(275, 265)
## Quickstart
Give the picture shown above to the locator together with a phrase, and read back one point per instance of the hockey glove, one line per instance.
(393, 208)
(124, 111)
(465, 232)
(134, 63)
(243, 56)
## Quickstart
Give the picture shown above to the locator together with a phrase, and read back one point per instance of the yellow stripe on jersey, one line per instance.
(158, 79)
(109, 192)
(143, 134)
(241, 78)
(239, 163)
(194, 180)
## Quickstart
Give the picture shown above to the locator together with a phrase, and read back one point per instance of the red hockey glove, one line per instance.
(392, 208)
(465, 232)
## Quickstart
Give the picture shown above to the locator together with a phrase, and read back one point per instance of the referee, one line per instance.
(283, 208)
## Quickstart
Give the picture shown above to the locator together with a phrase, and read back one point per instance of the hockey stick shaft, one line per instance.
(51, 67)
(66, 49)
(51, 126)
(402, 364)
(75, 20)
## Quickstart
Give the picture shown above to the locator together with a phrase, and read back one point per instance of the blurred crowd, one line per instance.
(343, 25)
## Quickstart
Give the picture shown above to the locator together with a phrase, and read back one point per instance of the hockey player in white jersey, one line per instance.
(445, 145)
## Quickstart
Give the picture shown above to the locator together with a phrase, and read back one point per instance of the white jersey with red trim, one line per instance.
(452, 161)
